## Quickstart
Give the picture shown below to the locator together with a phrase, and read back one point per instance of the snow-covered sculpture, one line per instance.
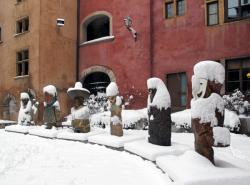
(25, 112)
(159, 112)
(51, 112)
(207, 108)
(115, 109)
(79, 113)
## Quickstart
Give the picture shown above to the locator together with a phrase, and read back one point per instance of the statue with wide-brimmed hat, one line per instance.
(80, 112)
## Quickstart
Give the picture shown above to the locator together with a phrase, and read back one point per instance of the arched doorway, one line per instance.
(96, 82)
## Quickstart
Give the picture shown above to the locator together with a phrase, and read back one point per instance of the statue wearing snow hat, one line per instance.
(25, 112)
(51, 112)
(115, 109)
(79, 113)
(207, 108)
(159, 113)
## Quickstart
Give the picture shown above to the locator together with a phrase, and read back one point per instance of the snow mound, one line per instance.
(112, 89)
(204, 108)
(150, 151)
(42, 132)
(232, 120)
(70, 135)
(17, 128)
(221, 136)
(162, 98)
(50, 89)
(194, 169)
(117, 142)
(210, 70)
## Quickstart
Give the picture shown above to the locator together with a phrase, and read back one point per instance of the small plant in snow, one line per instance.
(235, 102)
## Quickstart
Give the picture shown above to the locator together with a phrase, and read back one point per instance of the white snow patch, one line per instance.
(162, 98)
(42, 132)
(24, 95)
(112, 89)
(5, 122)
(17, 128)
(115, 141)
(221, 136)
(81, 113)
(70, 135)
(150, 151)
(210, 70)
(204, 108)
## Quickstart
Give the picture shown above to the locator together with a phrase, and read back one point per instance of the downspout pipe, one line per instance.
(78, 41)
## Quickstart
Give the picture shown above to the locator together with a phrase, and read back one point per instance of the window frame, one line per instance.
(22, 63)
(239, 17)
(208, 15)
(175, 9)
(240, 62)
(23, 24)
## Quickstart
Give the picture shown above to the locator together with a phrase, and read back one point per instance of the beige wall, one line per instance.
(52, 50)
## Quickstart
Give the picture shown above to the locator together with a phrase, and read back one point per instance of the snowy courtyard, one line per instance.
(32, 160)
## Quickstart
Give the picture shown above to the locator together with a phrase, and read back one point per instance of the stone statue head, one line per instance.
(151, 93)
(78, 101)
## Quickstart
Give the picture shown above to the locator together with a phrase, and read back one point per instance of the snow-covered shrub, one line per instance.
(97, 103)
(182, 119)
(131, 119)
(235, 101)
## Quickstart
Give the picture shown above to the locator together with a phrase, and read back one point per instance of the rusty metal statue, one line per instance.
(115, 109)
(207, 106)
(159, 113)
(80, 112)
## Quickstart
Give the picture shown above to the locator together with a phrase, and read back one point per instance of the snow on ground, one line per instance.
(17, 128)
(115, 141)
(151, 152)
(30, 160)
(4, 122)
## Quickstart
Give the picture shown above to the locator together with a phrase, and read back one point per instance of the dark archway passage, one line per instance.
(96, 82)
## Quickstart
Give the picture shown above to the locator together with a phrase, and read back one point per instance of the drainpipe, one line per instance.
(151, 41)
(78, 41)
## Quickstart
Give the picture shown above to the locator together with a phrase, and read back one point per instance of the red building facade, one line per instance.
(172, 36)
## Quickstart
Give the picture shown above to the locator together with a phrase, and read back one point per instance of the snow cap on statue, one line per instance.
(78, 91)
(50, 89)
(210, 70)
(24, 96)
(162, 98)
(112, 89)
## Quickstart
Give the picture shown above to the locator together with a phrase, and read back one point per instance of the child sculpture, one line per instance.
(25, 112)
(51, 107)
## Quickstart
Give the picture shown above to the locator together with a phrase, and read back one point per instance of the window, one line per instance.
(22, 63)
(237, 74)
(169, 9)
(174, 8)
(177, 86)
(212, 13)
(98, 27)
(180, 7)
(237, 9)
(22, 25)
